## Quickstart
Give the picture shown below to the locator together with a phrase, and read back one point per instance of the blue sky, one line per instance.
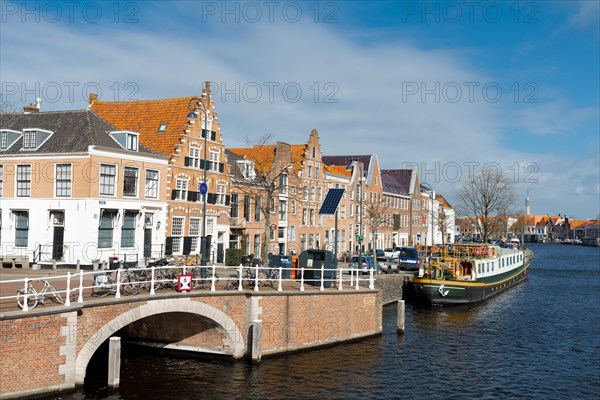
(448, 87)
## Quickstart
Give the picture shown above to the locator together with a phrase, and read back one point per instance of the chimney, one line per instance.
(92, 98)
(33, 108)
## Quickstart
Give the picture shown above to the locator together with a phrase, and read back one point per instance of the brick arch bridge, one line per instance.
(49, 348)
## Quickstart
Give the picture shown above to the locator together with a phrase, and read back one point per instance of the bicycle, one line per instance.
(34, 297)
(104, 284)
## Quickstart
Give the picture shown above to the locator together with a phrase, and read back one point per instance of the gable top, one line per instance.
(160, 123)
(72, 131)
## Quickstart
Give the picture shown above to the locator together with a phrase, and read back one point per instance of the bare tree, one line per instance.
(273, 166)
(443, 222)
(378, 215)
(486, 198)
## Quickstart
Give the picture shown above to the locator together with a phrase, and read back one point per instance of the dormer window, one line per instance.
(8, 137)
(126, 139)
(132, 142)
(33, 139)
(247, 168)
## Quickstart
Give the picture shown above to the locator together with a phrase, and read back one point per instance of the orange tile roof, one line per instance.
(264, 155)
(337, 169)
(442, 200)
(145, 117)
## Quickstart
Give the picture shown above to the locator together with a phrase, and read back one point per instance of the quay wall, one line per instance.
(392, 286)
(49, 348)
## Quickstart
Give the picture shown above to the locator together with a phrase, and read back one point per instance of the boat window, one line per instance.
(493, 266)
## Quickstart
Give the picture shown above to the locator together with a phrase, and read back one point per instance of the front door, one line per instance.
(147, 242)
(220, 252)
(58, 238)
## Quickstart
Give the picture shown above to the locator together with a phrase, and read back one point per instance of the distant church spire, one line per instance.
(527, 204)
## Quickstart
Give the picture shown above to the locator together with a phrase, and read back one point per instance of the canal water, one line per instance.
(540, 339)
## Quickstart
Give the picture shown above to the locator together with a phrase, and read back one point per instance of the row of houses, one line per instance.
(125, 179)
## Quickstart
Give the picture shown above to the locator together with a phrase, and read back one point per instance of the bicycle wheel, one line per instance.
(32, 297)
(129, 286)
(55, 297)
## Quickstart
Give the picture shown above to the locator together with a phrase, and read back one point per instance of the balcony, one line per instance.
(236, 222)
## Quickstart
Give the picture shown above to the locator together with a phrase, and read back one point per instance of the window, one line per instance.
(292, 233)
(311, 240)
(194, 160)
(256, 245)
(343, 212)
(151, 184)
(23, 180)
(106, 227)
(247, 208)
(63, 180)
(221, 194)
(272, 204)
(312, 216)
(282, 210)
(283, 184)
(130, 182)
(303, 242)
(213, 165)
(310, 171)
(163, 126)
(3, 140)
(312, 193)
(1, 179)
(257, 209)
(304, 214)
(305, 194)
(128, 229)
(194, 234)
(351, 211)
(234, 205)
(29, 139)
(293, 207)
(21, 228)
(320, 194)
(107, 179)
(317, 169)
(132, 142)
(177, 233)
(181, 187)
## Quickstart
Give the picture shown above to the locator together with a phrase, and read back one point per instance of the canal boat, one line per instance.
(467, 273)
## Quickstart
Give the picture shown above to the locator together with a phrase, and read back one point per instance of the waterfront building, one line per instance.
(165, 128)
(75, 188)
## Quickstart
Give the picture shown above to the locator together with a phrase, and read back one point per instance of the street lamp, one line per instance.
(193, 105)
(427, 187)
(356, 163)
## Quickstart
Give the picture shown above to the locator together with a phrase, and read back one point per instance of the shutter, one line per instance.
(202, 162)
(187, 245)
(227, 200)
(192, 196)
(187, 161)
(221, 167)
(213, 135)
(203, 133)
(174, 194)
(211, 198)
(169, 245)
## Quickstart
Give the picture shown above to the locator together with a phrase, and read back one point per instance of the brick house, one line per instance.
(74, 188)
(165, 128)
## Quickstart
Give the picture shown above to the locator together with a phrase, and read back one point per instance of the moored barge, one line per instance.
(464, 274)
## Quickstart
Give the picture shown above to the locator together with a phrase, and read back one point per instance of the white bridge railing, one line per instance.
(81, 286)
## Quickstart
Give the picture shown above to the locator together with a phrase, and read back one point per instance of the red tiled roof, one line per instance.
(264, 155)
(337, 169)
(145, 117)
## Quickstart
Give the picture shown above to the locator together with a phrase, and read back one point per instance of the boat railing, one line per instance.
(458, 251)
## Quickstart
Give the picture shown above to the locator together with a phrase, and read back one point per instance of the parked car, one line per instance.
(392, 252)
(408, 259)
(387, 265)
(365, 264)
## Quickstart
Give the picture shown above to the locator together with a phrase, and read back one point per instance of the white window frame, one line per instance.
(213, 157)
(194, 154)
(132, 141)
(181, 185)
(137, 181)
(27, 183)
(177, 235)
(112, 184)
(221, 192)
(150, 190)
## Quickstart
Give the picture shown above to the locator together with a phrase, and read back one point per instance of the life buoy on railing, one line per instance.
(476, 251)
(493, 250)
(485, 251)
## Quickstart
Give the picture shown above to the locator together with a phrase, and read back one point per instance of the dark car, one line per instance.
(408, 259)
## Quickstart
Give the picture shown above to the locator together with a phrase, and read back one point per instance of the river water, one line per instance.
(538, 340)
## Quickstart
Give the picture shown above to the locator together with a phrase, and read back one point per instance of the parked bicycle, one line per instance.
(34, 297)
(129, 285)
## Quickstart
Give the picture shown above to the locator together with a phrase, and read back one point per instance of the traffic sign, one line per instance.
(203, 188)
(361, 238)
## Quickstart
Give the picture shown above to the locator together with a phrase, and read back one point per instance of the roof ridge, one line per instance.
(146, 100)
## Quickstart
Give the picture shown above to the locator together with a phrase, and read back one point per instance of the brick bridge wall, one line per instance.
(48, 349)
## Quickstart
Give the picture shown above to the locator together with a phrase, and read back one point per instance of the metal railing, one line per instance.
(78, 287)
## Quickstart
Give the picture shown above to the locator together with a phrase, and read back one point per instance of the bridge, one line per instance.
(48, 348)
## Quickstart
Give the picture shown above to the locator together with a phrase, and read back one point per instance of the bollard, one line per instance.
(114, 361)
(255, 341)
(400, 318)
(322, 278)
(54, 265)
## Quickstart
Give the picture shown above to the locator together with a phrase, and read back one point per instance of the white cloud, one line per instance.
(374, 111)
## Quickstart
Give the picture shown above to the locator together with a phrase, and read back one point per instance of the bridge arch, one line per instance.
(233, 335)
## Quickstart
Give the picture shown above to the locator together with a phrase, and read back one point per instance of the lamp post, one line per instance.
(353, 166)
(427, 187)
(193, 105)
